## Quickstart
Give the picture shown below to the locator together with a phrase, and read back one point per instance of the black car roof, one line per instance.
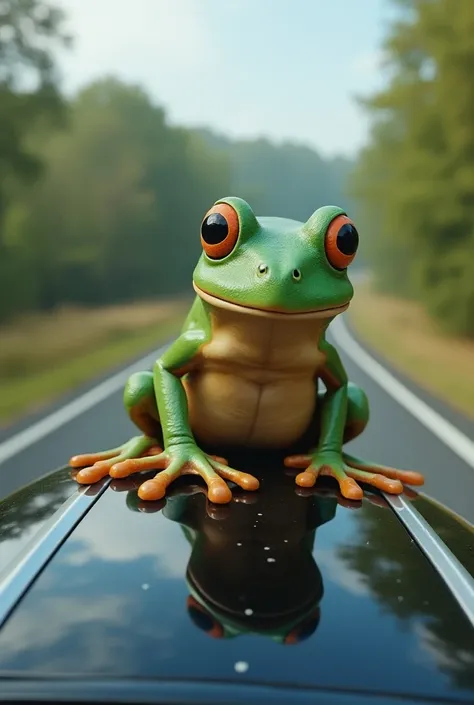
(283, 588)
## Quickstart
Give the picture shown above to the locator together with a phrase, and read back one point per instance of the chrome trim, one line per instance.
(14, 581)
(456, 577)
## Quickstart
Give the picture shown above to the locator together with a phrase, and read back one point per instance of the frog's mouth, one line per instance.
(275, 312)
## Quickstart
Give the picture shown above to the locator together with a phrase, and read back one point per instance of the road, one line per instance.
(94, 419)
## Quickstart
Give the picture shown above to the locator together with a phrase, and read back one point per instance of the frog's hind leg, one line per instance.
(353, 470)
(139, 401)
(357, 416)
(385, 478)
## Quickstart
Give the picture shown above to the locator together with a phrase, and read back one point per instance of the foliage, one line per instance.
(28, 90)
(116, 215)
(122, 198)
(415, 181)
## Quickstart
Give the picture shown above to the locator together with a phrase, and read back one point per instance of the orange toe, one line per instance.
(391, 486)
(219, 492)
(297, 461)
(123, 469)
(306, 479)
(152, 489)
(84, 461)
(92, 474)
(248, 482)
(412, 478)
(218, 459)
(350, 489)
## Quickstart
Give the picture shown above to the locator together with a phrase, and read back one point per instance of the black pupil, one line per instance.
(214, 229)
(347, 239)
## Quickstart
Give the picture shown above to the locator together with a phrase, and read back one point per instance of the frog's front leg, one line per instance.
(344, 411)
(181, 454)
(164, 424)
(139, 401)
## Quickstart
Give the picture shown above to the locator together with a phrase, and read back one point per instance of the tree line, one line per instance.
(101, 197)
(414, 182)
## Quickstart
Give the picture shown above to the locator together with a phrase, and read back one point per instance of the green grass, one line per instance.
(69, 348)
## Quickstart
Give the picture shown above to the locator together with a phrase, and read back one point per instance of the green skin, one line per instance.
(157, 402)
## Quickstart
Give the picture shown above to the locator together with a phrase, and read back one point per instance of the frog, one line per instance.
(247, 367)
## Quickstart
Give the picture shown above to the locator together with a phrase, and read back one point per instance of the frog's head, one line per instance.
(275, 266)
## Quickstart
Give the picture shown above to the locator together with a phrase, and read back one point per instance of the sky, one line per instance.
(285, 69)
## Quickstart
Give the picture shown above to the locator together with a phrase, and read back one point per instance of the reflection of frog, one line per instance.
(252, 570)
(246, 367)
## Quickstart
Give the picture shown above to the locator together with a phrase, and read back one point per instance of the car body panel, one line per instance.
(455, 531)
(283, 588)
(25, 512)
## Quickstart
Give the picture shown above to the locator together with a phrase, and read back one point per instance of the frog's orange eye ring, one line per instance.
(342, 241)
(203, 620)
(219, 231)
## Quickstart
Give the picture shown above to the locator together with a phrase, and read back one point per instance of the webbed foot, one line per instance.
(188, 459)
(95, 466)
(349, 471)
(141, 454)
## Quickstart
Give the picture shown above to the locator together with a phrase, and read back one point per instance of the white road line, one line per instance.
(445, 431)
(77, 406)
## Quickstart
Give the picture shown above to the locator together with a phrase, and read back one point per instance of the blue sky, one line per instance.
(288, 69)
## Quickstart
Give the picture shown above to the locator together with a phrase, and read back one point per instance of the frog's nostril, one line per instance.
(296, 274)
(262, 270)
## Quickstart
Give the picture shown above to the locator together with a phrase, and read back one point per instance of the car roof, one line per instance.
(284, 588)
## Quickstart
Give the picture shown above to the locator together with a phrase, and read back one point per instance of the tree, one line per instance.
(29, 98)
(28, 31)
(415, 180)
(117, 214)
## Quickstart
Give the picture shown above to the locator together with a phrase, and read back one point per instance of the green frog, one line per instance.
(247, 368)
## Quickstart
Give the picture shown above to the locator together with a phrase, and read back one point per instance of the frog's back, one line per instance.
(255, 380)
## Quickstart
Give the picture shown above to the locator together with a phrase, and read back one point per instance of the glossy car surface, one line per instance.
(286, 595)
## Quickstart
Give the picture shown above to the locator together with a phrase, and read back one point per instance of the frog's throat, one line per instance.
(269, 313)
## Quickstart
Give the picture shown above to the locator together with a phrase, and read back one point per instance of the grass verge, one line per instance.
(44, 356)
(402, 333)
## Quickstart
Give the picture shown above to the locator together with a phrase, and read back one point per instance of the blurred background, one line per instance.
(121, 123)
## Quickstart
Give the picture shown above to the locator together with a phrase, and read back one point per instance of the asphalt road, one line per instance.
(394, 437)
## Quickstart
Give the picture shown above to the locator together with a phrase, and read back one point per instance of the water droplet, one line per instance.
(285, 540)
(266, 548)
(270, 560)
(241, 666)
(260, 514)
(145, 586)
(248, 612)
(239, 544)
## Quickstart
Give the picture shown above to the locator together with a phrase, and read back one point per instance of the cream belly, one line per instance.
(254, 383)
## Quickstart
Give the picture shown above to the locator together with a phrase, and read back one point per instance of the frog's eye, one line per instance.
(342, 241)
(219, 231)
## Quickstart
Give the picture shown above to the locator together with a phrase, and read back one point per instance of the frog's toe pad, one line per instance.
(219, 492)
(306, 479)
(94, 473)
(154, 489)
(350, 489)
